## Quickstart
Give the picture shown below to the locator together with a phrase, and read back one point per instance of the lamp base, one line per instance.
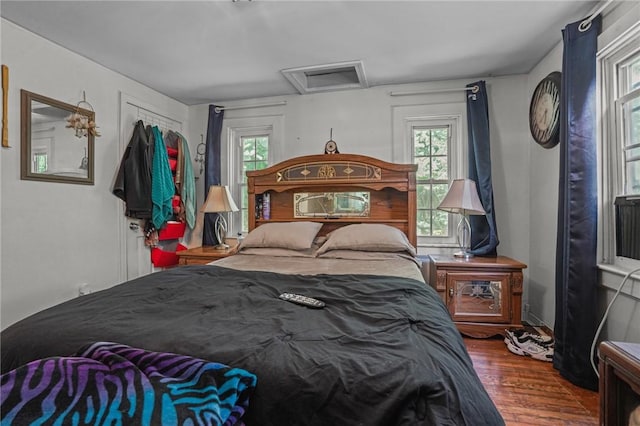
(463, 254)
(220, 229)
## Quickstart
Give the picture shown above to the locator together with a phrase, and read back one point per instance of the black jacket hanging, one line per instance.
(133, 182)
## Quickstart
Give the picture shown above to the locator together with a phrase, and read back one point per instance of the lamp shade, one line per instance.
(462, 198)
(219, 200)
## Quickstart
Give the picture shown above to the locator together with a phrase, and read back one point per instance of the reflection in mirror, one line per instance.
(478, 297)
(331, 204)
(50, 150)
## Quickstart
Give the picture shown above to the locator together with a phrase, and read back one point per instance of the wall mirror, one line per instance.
(331, 204)
(50, 151)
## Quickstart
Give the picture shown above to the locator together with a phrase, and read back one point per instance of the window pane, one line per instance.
(440, 223)
(248, 149)
(633, 177)
(421, 143)
(439, 143)
(424, 168)
(423, 194)
(262, 148)
(423, 224)
(440, 168)
(245, 221)
(439, 191)
(261, 165)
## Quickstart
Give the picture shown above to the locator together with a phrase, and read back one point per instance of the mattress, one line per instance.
(336, 262)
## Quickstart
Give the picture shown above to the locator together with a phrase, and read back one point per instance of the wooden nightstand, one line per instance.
(206, 254)
(483, 294)
(619, 370)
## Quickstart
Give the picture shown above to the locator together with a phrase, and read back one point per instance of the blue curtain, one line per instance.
(212, 169)
(484, 233)
(576, 270)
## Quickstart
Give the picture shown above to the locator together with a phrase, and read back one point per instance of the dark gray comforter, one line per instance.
(382, 352)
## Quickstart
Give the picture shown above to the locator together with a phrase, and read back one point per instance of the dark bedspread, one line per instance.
(382, 352)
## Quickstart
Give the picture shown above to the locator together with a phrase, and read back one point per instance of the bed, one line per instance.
(383, 351)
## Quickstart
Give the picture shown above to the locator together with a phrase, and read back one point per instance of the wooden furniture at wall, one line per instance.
(619, 371)
(392, 187)
(206, 254)
(483, 294)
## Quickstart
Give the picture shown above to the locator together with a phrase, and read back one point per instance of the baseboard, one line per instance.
(539, 326)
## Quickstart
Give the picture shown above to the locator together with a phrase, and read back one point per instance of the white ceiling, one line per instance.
(212, 51)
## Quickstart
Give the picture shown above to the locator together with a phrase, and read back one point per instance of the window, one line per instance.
(619, 66)
(431, 153)
(253, 143)
(40, 164)
(431, 140)
(628, 117)
(255, 156)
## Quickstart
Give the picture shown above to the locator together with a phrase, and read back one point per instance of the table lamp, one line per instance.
(463, 198)
(219, 201)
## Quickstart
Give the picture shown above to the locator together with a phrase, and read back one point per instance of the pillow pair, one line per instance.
(301, 236)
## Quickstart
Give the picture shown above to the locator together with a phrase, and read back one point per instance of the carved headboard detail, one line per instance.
(392, 187)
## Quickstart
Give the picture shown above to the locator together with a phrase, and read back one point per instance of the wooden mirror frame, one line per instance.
(27, 98)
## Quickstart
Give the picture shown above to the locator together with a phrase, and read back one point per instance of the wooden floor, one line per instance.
(530, 392)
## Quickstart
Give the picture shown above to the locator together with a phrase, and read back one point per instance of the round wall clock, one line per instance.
(544, 111)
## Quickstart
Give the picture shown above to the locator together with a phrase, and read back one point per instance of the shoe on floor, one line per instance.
(521, 335)
(529, 348)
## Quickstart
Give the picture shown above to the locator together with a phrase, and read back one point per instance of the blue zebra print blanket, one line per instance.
(114, 384)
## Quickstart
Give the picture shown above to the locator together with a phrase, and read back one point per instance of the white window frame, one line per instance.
(235, 129)
(611, 154)
(236, 162)
(450, 124)
(408, 117)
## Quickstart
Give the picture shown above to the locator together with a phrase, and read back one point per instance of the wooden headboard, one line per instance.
(392, 188)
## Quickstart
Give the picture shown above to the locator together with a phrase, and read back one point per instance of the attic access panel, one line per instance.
(326, 78)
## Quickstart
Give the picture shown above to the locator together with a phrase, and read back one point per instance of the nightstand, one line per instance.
(206, 254)
(483, 294)
(619, 370)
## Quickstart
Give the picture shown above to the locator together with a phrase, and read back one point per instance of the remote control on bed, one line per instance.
(302, 300)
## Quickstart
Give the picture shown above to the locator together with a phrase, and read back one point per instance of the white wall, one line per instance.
(543, 191)
(56, 236)
(623, 322)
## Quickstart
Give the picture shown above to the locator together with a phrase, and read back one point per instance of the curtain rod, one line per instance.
(218, 109)
(585, 24)
(474, 89)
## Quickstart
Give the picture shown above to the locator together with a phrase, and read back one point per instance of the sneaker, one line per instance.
(513, 348)
(530, 348)
(519, 335)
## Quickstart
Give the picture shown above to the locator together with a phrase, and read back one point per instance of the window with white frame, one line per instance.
(253, 143)
(435, 149)
(619, 66)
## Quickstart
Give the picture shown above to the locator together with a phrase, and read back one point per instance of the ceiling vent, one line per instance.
(326, 78)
